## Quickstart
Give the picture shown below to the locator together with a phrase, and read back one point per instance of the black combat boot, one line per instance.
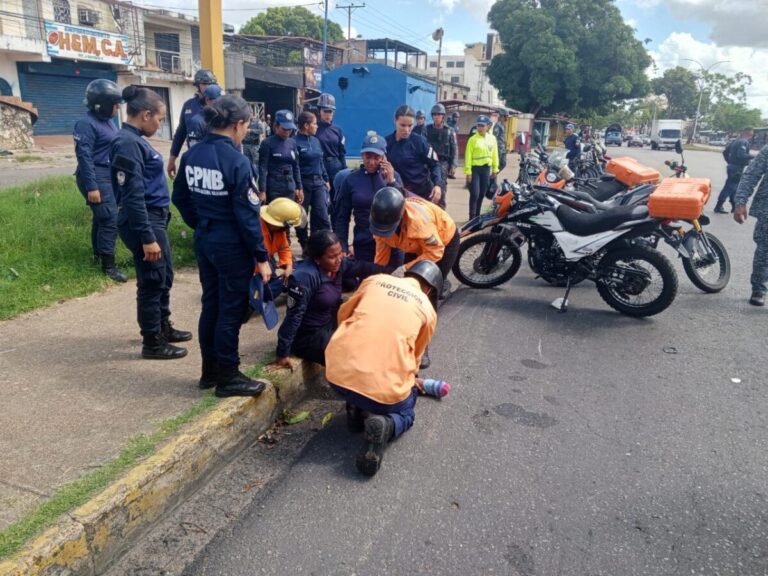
(757, 299)
(156, 347)
(355, 419)
(720, 209)
(231, 382)
(379, 430)
(210, 374)
(173, 335)
(109, 268)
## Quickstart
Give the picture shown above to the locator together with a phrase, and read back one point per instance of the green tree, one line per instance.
(680, 87)
(733, 116)
(296, 21)
(571, 56)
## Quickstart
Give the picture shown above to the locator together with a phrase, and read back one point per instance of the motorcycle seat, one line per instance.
(589, 198)
(585, 224)
(607, 189)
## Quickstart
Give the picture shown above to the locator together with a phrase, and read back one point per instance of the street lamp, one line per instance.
(701, 90)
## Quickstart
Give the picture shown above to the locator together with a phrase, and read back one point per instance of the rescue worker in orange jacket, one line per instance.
(276, 217)
(421, 229)
(373, 357)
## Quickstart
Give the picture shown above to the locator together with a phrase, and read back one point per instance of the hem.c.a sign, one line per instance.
(77, 43)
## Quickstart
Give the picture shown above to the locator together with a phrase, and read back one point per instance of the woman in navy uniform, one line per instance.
(279, 175)
(314, 297)
(192, 107)
(93, 135)
(216, 196)
(143, 202)
(413, 158)
(332, 139)
(314, 177)
(356, 194)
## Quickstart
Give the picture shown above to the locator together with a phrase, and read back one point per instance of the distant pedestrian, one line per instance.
(143, 213)
(453, 121)
(481, 164)
(192, 107)
(279, 174)
(421, 124)
(756, 176)
(93, 135)
(216, 197)
(413, 158)
(572, 145)
(737, 157)
(332, 140)
(443, 141)
(314, 177)
(500, 133)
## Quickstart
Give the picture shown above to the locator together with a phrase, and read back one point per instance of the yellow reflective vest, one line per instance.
(481, 151)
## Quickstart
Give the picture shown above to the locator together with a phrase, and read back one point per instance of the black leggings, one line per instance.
(481, 180)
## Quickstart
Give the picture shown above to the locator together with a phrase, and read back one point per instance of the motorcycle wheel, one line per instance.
(487, 260)
(636, 281)
(708, 277)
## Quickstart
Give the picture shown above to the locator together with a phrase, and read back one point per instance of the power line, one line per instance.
(349, 9)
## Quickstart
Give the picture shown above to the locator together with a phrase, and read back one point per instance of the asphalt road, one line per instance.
(585, 443)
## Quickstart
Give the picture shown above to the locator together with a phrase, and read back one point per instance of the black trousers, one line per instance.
(310, 343)
(481, 180)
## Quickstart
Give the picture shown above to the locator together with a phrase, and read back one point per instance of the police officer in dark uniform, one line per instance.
(453, 121)
(314, 177)
(251, 144)
(196, 126)
(332, 139)
(314, 297)
(573, 145)
(279, 174)
(203, 78)
(93, 135)
(421, 123)
(215, 196)
(442, 139)
(413, 158)
(143, 204)
(499, 132)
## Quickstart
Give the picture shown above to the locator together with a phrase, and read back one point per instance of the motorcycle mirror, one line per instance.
(679, 147)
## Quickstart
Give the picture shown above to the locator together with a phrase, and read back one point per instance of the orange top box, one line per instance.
(679, 198)
(631, 173)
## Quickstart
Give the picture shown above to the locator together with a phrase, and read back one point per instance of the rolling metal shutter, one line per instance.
(57, 90)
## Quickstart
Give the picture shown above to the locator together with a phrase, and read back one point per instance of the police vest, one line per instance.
(440, 140)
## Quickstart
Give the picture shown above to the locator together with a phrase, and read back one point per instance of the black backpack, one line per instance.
(727, 151)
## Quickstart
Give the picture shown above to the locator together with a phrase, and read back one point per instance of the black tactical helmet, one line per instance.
(386, 211)
(326, 101)
(101, 96)
(437, 109)
(427, 271)
(204, 76)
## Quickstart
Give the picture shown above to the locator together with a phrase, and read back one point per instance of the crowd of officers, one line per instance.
(243, 202)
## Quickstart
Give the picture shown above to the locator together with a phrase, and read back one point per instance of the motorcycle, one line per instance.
(564, 243)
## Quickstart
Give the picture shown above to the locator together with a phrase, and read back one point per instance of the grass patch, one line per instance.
(28, 158)
(77, 493)
(45, 240)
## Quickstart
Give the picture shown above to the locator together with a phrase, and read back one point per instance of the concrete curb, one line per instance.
(88, 539)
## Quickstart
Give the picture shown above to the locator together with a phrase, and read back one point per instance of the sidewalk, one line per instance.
(75, 388)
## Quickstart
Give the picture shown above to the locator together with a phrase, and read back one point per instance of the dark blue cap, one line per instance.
(262, 301)
(285, 119)
(374, 143)
(213, 91)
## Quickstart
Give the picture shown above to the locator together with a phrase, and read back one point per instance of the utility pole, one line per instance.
(325, 46)
(349, 9)
(438, 36)
(701, 82)
(212, 38)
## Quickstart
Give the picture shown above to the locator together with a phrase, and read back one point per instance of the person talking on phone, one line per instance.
(356, 194)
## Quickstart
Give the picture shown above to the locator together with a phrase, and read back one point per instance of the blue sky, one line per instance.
(705, 30)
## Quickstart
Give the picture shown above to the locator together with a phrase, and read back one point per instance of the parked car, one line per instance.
(613, 138)
(718, 141)
(635, 141)
(646, 140)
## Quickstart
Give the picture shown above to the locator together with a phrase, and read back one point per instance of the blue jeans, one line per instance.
(153, 279)
(402, 413)
(225, 270)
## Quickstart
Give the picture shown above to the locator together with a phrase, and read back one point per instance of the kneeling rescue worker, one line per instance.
(373, 357)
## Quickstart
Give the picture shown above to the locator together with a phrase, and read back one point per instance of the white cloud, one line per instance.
(753, 61)
(477, 8)
(734, 22)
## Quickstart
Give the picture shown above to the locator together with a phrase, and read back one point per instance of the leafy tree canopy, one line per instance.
(572, 56)
(679, 86)
(296, 21)
(733, 117)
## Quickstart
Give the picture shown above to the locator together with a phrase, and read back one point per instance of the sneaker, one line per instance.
(757, 299)
(378, 432)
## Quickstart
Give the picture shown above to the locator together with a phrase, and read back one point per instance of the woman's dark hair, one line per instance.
(227, 110)
(404, 110)
(318, 242)
(304, 119)
(139, 99)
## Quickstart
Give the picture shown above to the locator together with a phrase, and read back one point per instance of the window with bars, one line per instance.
(61, 12)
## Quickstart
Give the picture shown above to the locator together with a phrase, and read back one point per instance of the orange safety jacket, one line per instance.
(383, 331)
(276, 242)
(425, 230)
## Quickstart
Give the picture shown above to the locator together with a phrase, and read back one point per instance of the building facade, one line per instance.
(51, 49)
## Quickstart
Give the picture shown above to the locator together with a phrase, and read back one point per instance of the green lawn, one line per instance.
(45, 247)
